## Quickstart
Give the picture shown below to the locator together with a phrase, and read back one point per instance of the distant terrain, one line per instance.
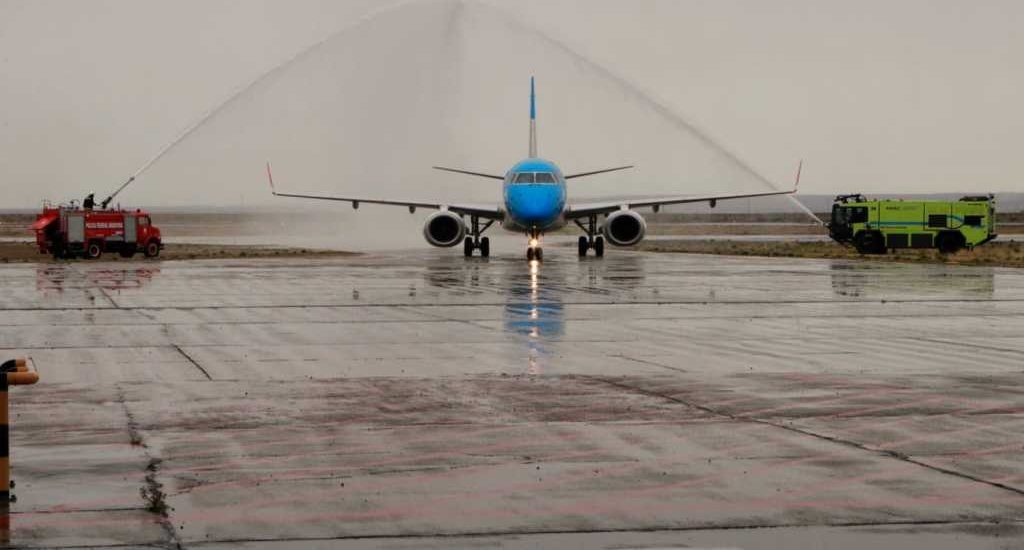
(182, 224)
(209, 226)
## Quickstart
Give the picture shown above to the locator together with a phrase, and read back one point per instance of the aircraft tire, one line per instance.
(539, 254)
(599, 247)
(529, 254)
(467, 247)
(584, 245)
(485, 247)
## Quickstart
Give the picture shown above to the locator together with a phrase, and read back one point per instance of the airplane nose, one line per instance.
(534, 204)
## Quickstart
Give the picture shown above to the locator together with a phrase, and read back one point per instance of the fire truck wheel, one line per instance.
(869, 242)
(94, 251)
(152, 249)
(949, 243)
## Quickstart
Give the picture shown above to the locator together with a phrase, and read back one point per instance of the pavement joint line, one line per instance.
(695, 528)
(630, 303)
(101, 546)
(142, 311)
(327, 344)
(432, 318)
(832, 439)
(106, 295)
(646, 362)
(152, 488)
(193, 361)
(971, 345)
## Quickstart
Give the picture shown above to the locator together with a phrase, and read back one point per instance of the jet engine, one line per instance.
(444, 229)
(624, 228)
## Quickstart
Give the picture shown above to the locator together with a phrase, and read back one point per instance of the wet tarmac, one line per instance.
(420, 399)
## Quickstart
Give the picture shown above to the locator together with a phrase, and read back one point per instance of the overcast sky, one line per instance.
(894, 96)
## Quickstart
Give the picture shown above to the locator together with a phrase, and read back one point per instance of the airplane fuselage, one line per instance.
(534, 193)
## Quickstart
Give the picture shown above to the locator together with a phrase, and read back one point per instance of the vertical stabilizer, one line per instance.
(533, 121)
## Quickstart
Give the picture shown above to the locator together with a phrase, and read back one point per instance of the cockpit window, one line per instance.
(524, 177)
(545, 177)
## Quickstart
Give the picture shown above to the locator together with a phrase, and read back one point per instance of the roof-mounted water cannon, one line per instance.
(855, 197)
(106, 201)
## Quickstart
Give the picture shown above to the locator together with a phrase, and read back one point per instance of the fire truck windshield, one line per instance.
(845, 215)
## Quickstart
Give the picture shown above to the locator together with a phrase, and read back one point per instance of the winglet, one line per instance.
(799, 169)
(270, 178)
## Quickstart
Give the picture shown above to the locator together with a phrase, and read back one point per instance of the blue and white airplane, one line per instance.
(535, 200)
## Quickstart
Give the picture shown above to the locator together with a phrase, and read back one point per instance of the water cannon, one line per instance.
(855, 197)
(106, 201)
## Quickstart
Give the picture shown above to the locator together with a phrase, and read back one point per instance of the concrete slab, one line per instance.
(423, 399)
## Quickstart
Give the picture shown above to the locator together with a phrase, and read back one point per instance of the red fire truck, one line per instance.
(70, 231)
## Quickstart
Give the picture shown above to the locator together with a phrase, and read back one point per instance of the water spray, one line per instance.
(240, 92)
(657, 105)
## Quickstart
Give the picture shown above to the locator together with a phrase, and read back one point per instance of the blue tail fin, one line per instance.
(533, 121)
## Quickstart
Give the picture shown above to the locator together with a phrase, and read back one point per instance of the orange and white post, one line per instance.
(12, 373)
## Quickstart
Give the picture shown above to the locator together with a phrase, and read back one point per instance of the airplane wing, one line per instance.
(482, 210)
(590, 209)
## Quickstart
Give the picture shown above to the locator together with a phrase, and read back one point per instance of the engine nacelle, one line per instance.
(624, 228)
(444, 229)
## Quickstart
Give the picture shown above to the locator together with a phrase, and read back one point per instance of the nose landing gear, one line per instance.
(534, 251)
(590, 242)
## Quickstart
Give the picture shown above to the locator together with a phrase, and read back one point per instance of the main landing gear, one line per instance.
(475, 241)
(590, 242)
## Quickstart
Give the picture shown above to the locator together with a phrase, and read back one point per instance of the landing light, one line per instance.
(534, 242)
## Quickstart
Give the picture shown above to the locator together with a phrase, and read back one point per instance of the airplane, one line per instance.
(535, 201)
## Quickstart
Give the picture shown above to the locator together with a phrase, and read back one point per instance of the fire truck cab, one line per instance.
(69, 231)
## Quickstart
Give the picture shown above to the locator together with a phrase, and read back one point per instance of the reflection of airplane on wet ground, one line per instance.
(535, 201)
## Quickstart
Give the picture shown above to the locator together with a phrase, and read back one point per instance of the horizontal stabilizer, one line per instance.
(582, 174)
(469, 173)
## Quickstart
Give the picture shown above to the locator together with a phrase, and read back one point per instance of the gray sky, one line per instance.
(907, 96)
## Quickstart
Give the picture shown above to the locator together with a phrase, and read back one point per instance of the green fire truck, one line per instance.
(877, 226)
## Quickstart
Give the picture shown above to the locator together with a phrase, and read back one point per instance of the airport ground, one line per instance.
(420, 399)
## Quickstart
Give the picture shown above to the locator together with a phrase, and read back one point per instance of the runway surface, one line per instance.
(420, 399)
